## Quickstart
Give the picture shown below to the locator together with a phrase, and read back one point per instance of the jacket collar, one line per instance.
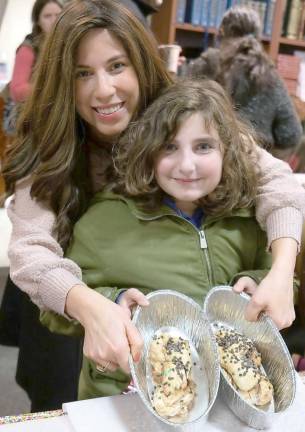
(164, 210)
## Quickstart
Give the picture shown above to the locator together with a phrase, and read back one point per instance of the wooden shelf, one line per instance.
(293, 42)
(192, 28)
(168, 31)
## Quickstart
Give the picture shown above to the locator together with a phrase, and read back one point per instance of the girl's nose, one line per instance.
(186, 163)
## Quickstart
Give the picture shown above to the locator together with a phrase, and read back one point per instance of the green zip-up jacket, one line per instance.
(117, 246)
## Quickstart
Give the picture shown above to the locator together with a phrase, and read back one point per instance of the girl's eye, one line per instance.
(82, 74)
(204, 147)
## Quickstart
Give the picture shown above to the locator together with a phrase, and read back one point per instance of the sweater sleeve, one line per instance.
(37, 265)
(20, 86)
(280, 202)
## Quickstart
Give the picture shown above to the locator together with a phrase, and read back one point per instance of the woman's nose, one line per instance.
(104, 88)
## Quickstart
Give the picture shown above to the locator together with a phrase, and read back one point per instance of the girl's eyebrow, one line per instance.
(207, 138)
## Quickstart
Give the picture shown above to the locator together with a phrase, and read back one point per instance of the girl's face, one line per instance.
(48, 15)
(107, 87)
(190, 166)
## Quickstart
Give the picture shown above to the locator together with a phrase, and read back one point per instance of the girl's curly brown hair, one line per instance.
(141, 144)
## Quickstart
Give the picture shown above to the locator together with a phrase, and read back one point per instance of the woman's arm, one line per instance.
(280, 209)
(280, 202)
(37, 265)
(20, 86)
(54, 282)
(274, 295)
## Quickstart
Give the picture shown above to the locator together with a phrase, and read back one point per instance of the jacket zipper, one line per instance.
(204, 247)
(202, 241)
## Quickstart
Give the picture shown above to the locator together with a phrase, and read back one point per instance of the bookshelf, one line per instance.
(168, 30)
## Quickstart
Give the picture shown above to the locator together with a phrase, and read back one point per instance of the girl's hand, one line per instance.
(246, 284)
(131, 298)
(110, 335)
(274, 296)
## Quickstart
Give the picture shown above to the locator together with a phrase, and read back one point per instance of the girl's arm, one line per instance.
(20, 86)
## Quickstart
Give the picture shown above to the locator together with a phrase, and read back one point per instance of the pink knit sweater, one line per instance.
(36, 259)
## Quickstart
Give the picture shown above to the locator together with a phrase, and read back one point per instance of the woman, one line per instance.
(19, 317)
(90, 84)
(44, 15)
(250, 78)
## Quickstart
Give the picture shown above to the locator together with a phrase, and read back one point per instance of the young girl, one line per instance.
(181, 214)
(90, 83)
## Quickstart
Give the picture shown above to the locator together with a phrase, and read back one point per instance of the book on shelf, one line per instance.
(302, 22)
(193, 12)
(180, 11)
(286, 17)
(294, 21)
(212, 12)
(268, 20)
(209, 13)
(205, 18)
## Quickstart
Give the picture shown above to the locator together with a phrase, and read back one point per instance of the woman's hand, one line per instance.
(274, 295)
(110, 335)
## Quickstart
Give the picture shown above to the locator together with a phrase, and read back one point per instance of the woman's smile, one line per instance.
(107, 87)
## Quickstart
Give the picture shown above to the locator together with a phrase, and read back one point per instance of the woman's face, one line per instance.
(48, 15)
(107, 87)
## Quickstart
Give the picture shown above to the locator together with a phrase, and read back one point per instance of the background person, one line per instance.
(250, 78)
(89, 86)
(44, 15)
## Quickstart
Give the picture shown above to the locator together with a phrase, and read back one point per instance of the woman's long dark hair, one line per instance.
(49, 145)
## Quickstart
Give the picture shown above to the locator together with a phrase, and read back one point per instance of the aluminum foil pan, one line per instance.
(170, 309)
(224, 306)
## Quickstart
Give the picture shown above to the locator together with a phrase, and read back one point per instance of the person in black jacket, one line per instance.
(142, 8)
(249, 76)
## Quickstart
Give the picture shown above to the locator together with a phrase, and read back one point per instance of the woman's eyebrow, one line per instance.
(110, 60)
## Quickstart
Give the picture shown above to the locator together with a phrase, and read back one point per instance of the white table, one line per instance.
(128, 414)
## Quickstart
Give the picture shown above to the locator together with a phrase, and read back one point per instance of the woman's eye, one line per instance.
(118, 66)
(83, 74)
(168, 148)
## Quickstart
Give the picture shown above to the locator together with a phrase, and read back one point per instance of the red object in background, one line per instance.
(288, 66)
